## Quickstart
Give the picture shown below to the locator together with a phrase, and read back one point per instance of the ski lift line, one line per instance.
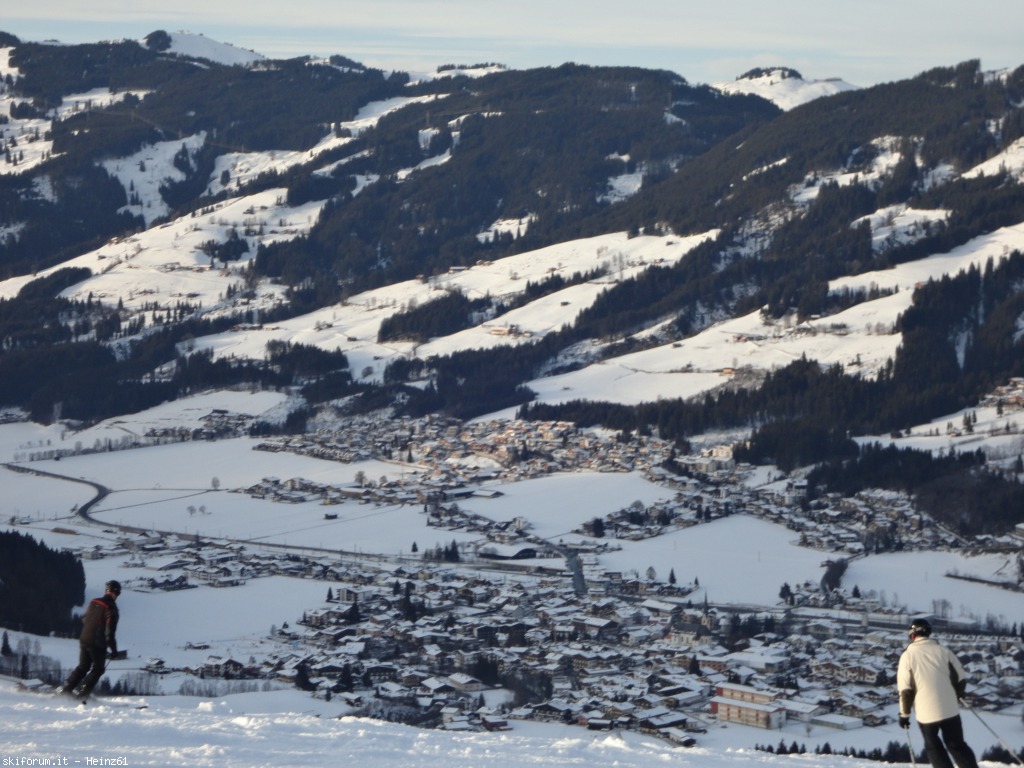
(149, 503)
(321, 525)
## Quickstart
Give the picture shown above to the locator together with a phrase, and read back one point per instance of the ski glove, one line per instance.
(904, 721)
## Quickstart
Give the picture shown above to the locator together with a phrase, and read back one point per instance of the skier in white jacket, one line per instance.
(931, 681)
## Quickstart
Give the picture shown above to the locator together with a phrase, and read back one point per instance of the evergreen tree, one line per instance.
(451, 553)
(353, 615)
(302, 681)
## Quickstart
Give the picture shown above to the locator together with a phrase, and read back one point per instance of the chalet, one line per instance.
(853, 705)
(661, 608)
(824, 629)
(494, 723)
(465, 683)
(678, 736)
(860, 672)
(657, 718)
(596, 721)
(682, 697)
(453, 720)
(802, 710)
(595, 627)
(556, 709)
(218, 666)
(391, 691)
(328, 668)
(379, 673)
(436, 687)
(690, 633)
(351, 699)
(412, 678)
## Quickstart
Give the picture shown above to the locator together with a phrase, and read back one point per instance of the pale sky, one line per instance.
(864, 42)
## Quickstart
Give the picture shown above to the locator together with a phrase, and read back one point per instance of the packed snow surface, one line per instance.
(287, 728)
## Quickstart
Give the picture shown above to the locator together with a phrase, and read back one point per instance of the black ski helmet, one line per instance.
(113, 587)
(920, 628)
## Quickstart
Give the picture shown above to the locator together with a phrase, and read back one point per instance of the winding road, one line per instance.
(83, 511)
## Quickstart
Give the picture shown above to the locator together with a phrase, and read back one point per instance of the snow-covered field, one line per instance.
(286, 728)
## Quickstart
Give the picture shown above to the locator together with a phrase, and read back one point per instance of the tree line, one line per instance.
(39, 587)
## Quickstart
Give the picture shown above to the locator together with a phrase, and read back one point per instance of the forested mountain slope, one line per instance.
(449, 245)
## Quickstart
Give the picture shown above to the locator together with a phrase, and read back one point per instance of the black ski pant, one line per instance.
(951, 744)
(92, 661)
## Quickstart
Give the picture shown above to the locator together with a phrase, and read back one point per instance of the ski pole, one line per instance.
(910, 746)
(1005, 746)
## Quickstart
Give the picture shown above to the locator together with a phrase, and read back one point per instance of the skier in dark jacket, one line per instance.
(99, 632)
(931, 681)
